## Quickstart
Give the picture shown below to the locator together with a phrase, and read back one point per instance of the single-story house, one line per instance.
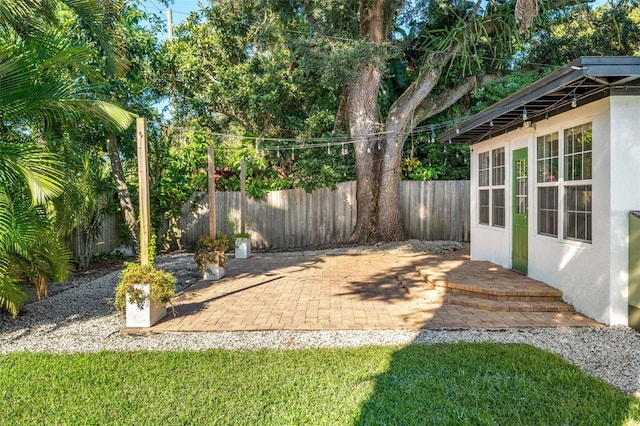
(555, 174)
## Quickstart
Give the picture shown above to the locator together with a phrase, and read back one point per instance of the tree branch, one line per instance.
(432, 106)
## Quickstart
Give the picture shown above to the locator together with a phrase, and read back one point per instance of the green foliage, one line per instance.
(29, 247)
(43, 62)
(54, 57)
(612, 29)
(211, 250)
(161, 285)
(486, 96)
(464, 383)
(430, 160)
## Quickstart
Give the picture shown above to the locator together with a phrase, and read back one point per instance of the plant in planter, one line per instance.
(210, 256)
(242, 243)
(143, 293)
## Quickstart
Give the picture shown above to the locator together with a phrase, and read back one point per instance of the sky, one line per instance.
(181, 8)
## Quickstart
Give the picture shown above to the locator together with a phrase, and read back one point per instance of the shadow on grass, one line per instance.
(488, 383)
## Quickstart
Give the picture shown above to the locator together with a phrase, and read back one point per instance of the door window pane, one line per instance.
(521, 186)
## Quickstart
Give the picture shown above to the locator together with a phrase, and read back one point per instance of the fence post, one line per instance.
(143, 180)
(211, 172)
(243, 196)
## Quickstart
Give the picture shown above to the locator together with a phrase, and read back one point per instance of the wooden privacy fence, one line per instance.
(433, 210)
(106, 242)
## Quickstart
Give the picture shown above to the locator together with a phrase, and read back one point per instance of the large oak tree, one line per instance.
(265, 64)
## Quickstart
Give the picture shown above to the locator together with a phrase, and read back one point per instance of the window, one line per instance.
(491, 192)
(497, 194)
(574, 187)
(578, 213)
(577, 153)
(547, 158)
(484, 206)
(548, 211)
(498, 207)
(547, 177)
(577, 174)
(483, 181)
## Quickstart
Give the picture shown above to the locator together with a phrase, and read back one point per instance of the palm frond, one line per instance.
(100, 18)
(12, 296)
(33, 167)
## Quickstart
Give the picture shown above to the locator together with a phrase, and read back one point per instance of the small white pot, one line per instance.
(147, 314)
(213, 271)
(243, 248)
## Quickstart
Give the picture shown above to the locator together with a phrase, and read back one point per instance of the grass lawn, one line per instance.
(417, 384)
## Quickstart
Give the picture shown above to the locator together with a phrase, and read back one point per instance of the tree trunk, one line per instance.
(363, 117)
(364, 127)
(124, 197)
(378, 169)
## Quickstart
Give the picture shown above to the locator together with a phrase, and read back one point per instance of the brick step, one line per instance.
(413, 281)
(512, 289)
(508, 305)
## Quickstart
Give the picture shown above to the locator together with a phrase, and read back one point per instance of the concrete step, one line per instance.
(507, 305)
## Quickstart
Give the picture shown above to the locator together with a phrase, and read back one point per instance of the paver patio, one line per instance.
(341, 292)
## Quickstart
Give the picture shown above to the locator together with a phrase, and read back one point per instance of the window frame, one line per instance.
(559, 215)
(492, 168)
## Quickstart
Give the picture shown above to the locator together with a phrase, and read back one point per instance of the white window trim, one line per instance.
(561, 184)
(490, 187)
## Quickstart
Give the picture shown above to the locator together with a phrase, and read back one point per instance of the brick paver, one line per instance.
(341, 292)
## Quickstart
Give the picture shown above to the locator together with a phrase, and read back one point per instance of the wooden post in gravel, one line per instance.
(143, 179)
(211, 175)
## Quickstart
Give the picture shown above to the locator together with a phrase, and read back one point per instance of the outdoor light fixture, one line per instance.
(457, 130)
(524, 114)
(574, 102)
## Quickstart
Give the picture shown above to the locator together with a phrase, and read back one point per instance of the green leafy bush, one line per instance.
(161, 285)
(211, 250)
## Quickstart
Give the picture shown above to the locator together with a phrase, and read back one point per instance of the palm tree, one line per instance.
(48, 83)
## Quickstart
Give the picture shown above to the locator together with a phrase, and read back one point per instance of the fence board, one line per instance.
(432, 210)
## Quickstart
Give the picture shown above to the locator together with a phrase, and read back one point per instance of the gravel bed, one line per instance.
(82, 319)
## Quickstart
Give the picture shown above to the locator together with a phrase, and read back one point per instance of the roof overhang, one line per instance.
(584, 80)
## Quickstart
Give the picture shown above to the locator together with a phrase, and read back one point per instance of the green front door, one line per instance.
(520, 249)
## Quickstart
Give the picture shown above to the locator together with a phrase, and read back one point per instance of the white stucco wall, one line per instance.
(579, 270)
(625, 195)
(488, 242)
(592, 276)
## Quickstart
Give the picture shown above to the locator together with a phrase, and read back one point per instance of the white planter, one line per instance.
(243, 248)
(213, 271)
(147, 314)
